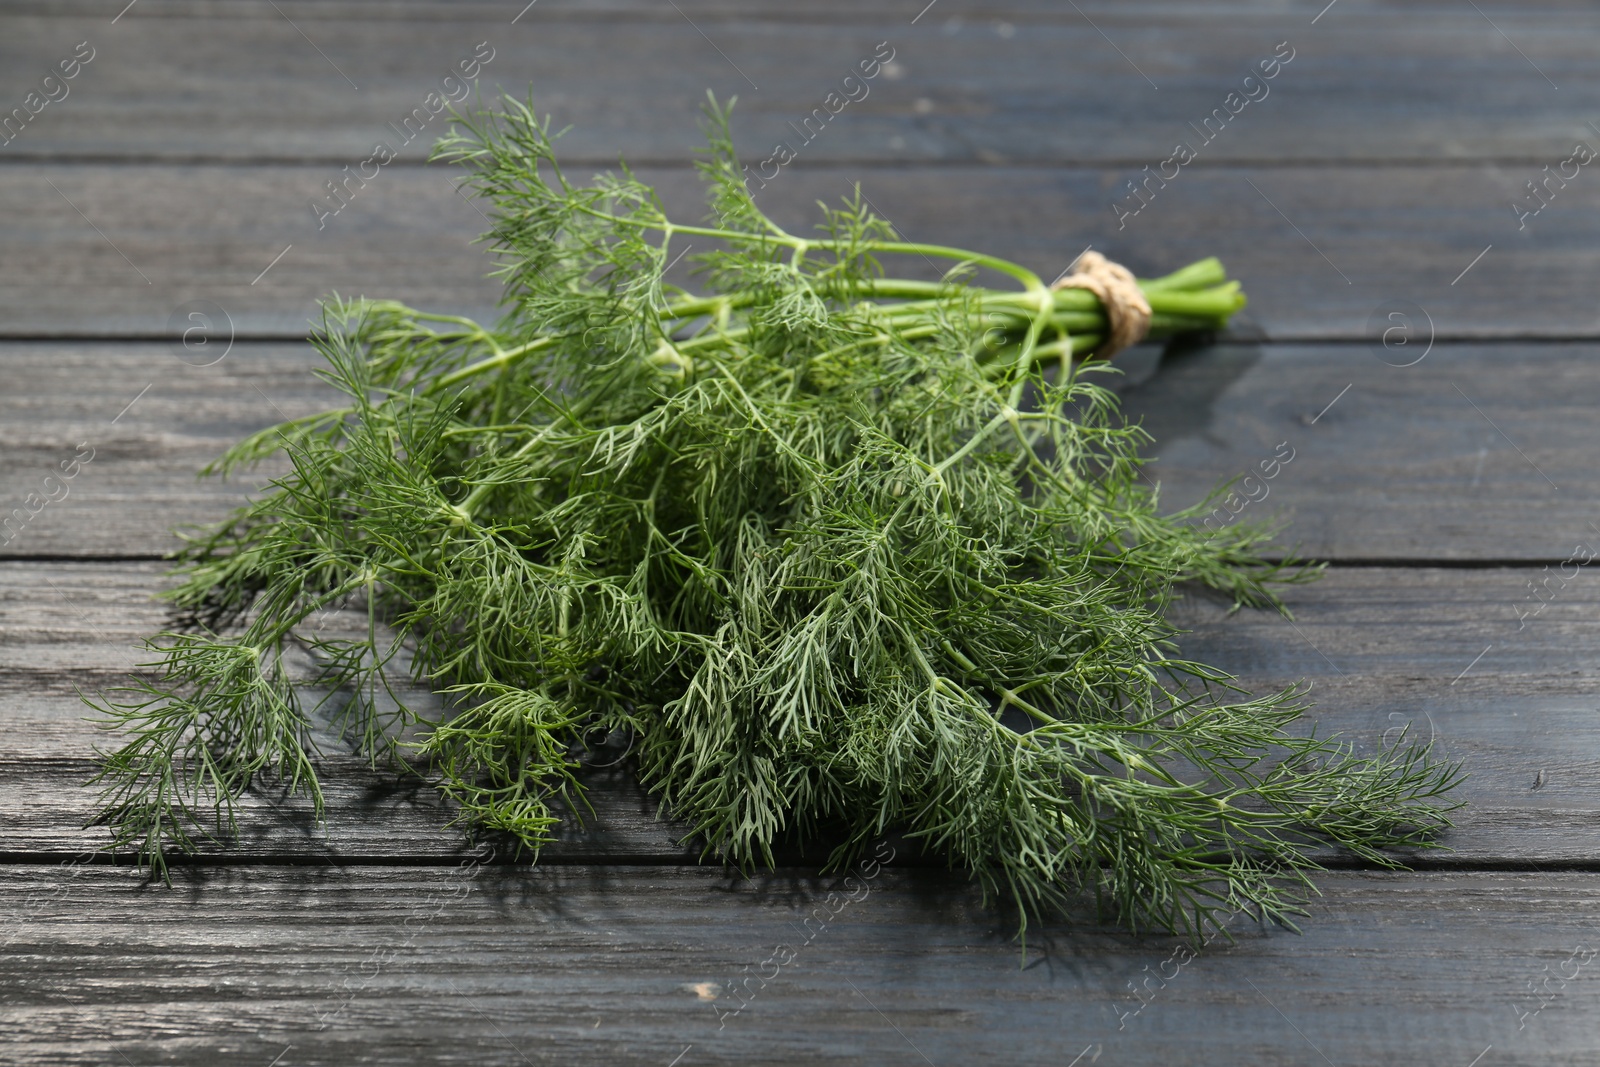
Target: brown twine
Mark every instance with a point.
(1127, 311)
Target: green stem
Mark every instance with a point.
(349, 585)
(910, 248)
(501, 359)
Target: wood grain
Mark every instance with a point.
(1477, 452)
(69, 630)
(149, 421)
(1382, 648)
(152, 238)
(1443, 654)
(1032, 82)
(621, 965)
(1402, 467)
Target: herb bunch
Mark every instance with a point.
(838, 553)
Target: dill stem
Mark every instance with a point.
(362, 577)
(800, 245)
(500, 359)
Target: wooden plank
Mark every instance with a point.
(74, 629)
(131, 251)
(373, 817)
(1382, 648)
(146, 418)
(973, 83)
(1115, 12)
(634, 966)
(1367, 236)
(1447, 459)
(1444, 653)
(1401, 467)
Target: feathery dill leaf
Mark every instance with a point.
(840, 553)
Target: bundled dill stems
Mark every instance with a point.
(837, 554)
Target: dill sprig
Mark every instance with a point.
(837, 553)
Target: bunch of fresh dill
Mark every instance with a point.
(839, 555)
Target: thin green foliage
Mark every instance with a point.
(840, 553)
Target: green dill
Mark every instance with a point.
(837, 553)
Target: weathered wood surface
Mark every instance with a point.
(1032, 82)
(146, 418)
(1476, 452)
(1382, 648)
(618, 965)
(1380, 169)
(151, 238)
(1402, 467)
(73, 629)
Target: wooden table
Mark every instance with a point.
(1447, 479)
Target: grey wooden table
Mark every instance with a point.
(1368, 190)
